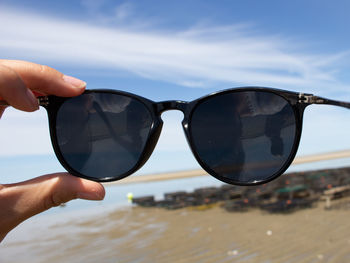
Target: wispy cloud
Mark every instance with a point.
(199, 56)
(117, 14)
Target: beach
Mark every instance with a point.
(205, 234)
(194, 220)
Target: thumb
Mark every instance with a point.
(20, 201)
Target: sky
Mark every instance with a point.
(181, 50)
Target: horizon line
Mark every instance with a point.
(164, 176)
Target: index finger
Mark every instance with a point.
(45, 80)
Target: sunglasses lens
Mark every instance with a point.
(102, 135)
(243, 136)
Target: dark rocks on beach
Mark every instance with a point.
(289, 205)
(288, 193)
(147, 201)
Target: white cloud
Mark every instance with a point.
(24, 133)
(192, 57)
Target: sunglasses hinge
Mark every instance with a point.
(310, 99)
(43, 100)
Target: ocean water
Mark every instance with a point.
(15, 169)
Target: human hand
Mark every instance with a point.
(18, 202)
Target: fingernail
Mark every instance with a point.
(32, 99)
(77, 83)
(90, 196)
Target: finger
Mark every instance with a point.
(45, 80)
(20, 201)
(14, 91)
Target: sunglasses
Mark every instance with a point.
(242, 136)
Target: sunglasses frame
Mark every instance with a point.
(297, 101)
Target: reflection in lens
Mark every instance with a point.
(244, 136)
(102, 135)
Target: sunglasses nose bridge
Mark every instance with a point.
(171, 105)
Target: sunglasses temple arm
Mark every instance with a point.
(311, 99)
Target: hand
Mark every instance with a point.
(18, 202)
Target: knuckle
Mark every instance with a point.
(47, 72)
(58, 194)
(55, 199)
(52, 200)
(43, 69)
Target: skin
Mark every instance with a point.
(20, 201)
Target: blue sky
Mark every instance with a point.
(183, 50)
(155, 44)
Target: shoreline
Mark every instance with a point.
(162, 176)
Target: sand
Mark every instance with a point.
(193, 235)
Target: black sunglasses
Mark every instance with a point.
(243, 136)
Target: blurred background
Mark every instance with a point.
(167, 50)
